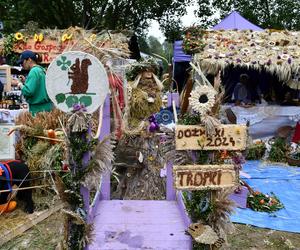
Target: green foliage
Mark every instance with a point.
(71, 100)
(141, 66)
(97, 14)
(194, 205)
(256, 151)
(189, 119)
(278, 150)
(60, 98)
(276, 14)
(203, 156)
(86, 100)
(264, 203)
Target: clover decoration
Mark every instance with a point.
(63, 63)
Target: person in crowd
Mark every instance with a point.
(243, 93)
(33, 87)
(288, 100)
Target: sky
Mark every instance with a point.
(187, 20)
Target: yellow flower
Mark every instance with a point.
(66, 37)
(36, 37)
(41, 37)
(19, 36)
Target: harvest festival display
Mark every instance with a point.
(207, 162)
(63, 147)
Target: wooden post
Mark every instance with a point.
(105, 130)
(171, 193)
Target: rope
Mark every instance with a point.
(23, 188)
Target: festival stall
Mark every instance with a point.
(273, 51)
(61, 148)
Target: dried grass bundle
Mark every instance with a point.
(219, 218)
(102, 158)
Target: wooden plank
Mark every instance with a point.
(32, 220)
(204, 177)
(226, 137)
(143, 224)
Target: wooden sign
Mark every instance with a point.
(74, 78)
(226, 137)
(48, 49)
(204, 177)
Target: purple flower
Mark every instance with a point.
(278, 57)
(76, 107)
(290, 60)
(269, 62)
(238, 159)
(238, 60)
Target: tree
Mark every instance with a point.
(275, 14)
(99, 14)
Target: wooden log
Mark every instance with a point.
(32, 220)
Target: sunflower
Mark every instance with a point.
(41, 37)
(202, 99)
(19, 36)
(36, 37)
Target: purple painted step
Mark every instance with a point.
(139, 224)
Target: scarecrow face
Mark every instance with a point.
(147, 75)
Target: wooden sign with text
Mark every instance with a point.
(48, 49)
(204, 177)
(226, 137)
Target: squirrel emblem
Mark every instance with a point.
(79, 75)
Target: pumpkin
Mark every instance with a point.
(51, 134)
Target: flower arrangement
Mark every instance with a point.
(136, 68)
(264, 202)
(193, 41)
(278, 150)
(256, 151)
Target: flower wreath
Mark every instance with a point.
(202, 99)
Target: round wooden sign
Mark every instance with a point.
(74, 78)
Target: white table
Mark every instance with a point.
(8, 116)
(265, 119)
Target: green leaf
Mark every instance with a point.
(64, 67)
(58, 63)
(71, 100)
(86, 100)
(60, 98)
(68, 63)
(63, 58)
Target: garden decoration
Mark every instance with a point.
(51, 43)
(145, 97)
(139, 157)
(264, 202)
(277, 51)
(80, 75)
(77, 84)
(207, 161)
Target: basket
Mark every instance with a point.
(292, 161)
